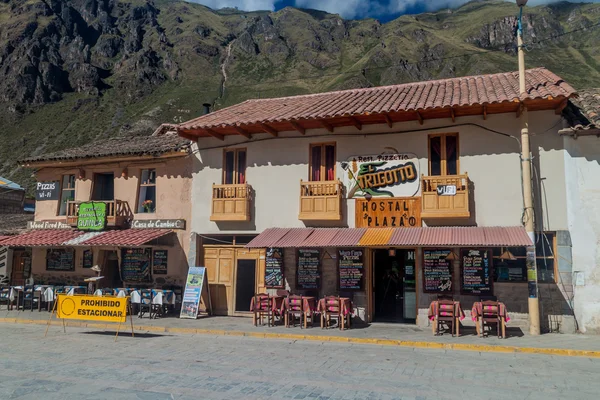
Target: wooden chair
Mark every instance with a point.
(445, 297)
(333, 308)
(5, 297)
(29, 297)
(294, 306)
(490, 314)
(147, 304)
(446, 313)
(263, 305)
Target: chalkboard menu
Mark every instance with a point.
(274, 268)
(437, 271)
(88, 259)
(351, 269)
(308, 271)
(135, 265)
(60, 260)
(476, 272)
(159, 262)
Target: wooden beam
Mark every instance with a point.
(327, 126)
(298, 127)
(186, 135)
(520, 109)
(242, 132)
(388, 120)
(214, 134)
(419, 117)
(268, 129)
(452, 114)
(356, 123)
(484, 111)
(561, 107)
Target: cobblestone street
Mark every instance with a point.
(89, 364)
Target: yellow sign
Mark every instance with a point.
(388, 212)
(110, 309)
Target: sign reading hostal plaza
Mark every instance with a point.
(92, 216)
(388, 213)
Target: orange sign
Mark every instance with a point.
(388, 212)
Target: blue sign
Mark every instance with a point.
(195, 285)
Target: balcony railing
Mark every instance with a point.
(231, 202)
(445, 196)
(320, 200)
(117, 212)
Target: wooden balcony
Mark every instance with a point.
(231, 202)
(445, 202)
(320, 201)
(118, 212)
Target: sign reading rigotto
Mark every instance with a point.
(92, 216)
(92, 307)
(390, 175)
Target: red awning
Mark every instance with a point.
(514, 236)
(126, 237)
(42, 237)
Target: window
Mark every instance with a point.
(104, 187)
(234, 171)
(322, 162)
(443, 154)
(67, 193)
(516, 270)
(147, 193)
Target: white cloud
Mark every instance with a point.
(246, 5)
(345, 8)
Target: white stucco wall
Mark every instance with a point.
(582, 170)
(275, 167)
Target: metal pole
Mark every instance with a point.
(533, 301)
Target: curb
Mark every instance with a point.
(334, 339)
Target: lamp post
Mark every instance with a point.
(533, 301)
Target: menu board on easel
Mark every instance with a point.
(308, 273)
(274, 268)
(476, 272)
(437, 271)
(135, 265)
(351, 269)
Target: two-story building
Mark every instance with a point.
(390, 195)
(122, 204)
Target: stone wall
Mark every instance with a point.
(11, 201)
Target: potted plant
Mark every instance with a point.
(148, 206)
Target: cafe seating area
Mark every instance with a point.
(286, 309)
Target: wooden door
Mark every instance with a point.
(21, 262)
(258, 257)
(219, 264)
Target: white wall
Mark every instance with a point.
(276, 166)
(582, 170)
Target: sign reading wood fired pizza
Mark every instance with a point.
(388, 213)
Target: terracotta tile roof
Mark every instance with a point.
(121, 146)
(294, 237)
(126, 237)
(4, 238)
(43, 237)
(583, 113)
(13, 224)
(347, 237)
(268, 238)
(445, 93)
(320, 237)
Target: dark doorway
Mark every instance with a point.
(104, 187)
(21, 267)
(110, 271)
(395, 294)
(244, 284)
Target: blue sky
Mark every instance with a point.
(383, 10)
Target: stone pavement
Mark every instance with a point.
(517, 337)
(89, 364)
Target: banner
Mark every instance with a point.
(91, 216)
(196, 284)
(47, 191)
(109, 309)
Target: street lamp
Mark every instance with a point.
(533, 301)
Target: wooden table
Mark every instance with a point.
(476, 313)
(308, 307)
(347, 309)
(433, 312)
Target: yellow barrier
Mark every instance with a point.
(109, 309)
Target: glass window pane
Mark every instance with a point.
(315, 166)
(147, 200)
(435, 155)
(544, 245)
(229, 166)
(510, 271)
(67, 193)
(451, 155)
(241, 167)
(545, 267)
(330, 162)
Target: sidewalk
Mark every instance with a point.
(518, 340)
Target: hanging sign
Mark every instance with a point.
(476, 272)
(91, 216)
(308, 271)
(159, 262)
(158, 223)
(47, 191)
(384, 175)
(388, 213)
(274, 268)
(196, 285)
(47, 225)
(437, 271)
(135, 265)
(446, 190)
(351, 267)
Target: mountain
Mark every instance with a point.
(73, 71)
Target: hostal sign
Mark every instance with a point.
(384, 175)
(388, 213)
